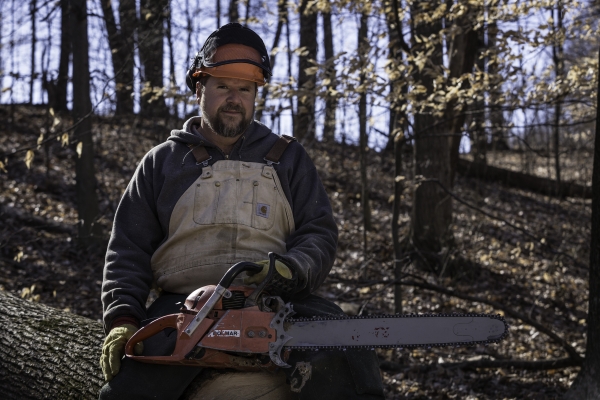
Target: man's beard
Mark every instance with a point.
(219, 124)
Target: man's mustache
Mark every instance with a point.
(233, 107)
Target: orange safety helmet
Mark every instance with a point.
(232, 51)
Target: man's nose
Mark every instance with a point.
(234, 97)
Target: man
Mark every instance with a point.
(212, 195)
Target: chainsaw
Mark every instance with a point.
(247, 329)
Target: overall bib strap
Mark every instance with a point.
(278, 148)
(200, 154)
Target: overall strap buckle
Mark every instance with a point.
(278, 148)
(200, 154)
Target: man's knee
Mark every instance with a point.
(352, 374)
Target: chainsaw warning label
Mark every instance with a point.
(224, 333)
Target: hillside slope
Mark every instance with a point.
(526, 254)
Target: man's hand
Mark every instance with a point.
(257, 278)
(114, 349)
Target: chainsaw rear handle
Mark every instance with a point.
(156, 326)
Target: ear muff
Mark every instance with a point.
(189, 79)
(230, 33)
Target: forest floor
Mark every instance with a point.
(516, 253)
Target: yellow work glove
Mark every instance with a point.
(114, 349)
(257, 278)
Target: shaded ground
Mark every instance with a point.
(531, 258)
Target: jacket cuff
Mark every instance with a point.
(125, 320)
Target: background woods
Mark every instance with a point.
(456, 141)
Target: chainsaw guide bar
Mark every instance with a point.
(469, 330)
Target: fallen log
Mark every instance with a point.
(521, 180)
(46, 353)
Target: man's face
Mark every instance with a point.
(227, 105)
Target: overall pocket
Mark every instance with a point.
(250, 198)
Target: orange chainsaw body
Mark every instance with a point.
(226, 338)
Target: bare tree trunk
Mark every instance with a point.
(234, 14)
(477, 126)
(65, 54)
(363, 50)
(87, 199)
(283, 15)
(396, 129)
(218, 14)
(247, 13)
(496, 114)
(465, 46)
(331, 81)
(120, 41)
(432, 208)
(587, 384)
(398, 84)
(289, 55)
(32, 11)
(190, 31)
(151, 35)
(304, 126)
(558, 59)
(172, 81)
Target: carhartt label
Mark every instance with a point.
(263, 210)
(224, 333)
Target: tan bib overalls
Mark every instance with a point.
(235, 211)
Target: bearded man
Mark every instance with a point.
(223, 189)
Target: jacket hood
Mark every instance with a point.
(190, 134)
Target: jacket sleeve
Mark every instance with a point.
(312, 247)
(135, 235)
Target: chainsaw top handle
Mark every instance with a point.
(236, 269)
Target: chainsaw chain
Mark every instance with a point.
(409, 346)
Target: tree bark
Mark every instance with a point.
(87, 199)
(558, 59)
(496, 113)
(120, 40)
(172, 79)
(304, 126)
(32, 10)
(363, 51)
(432, 208)
(398, 87)
(282, 12)
(46, 353)
(218, 14)
(466, 44)
(587, 384)
(150, 38)
(477, 126)
(396, 128)
(234, 13)
(65, 54)
(331, 78)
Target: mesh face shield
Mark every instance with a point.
(232, 51)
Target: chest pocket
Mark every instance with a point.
(235, 192)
